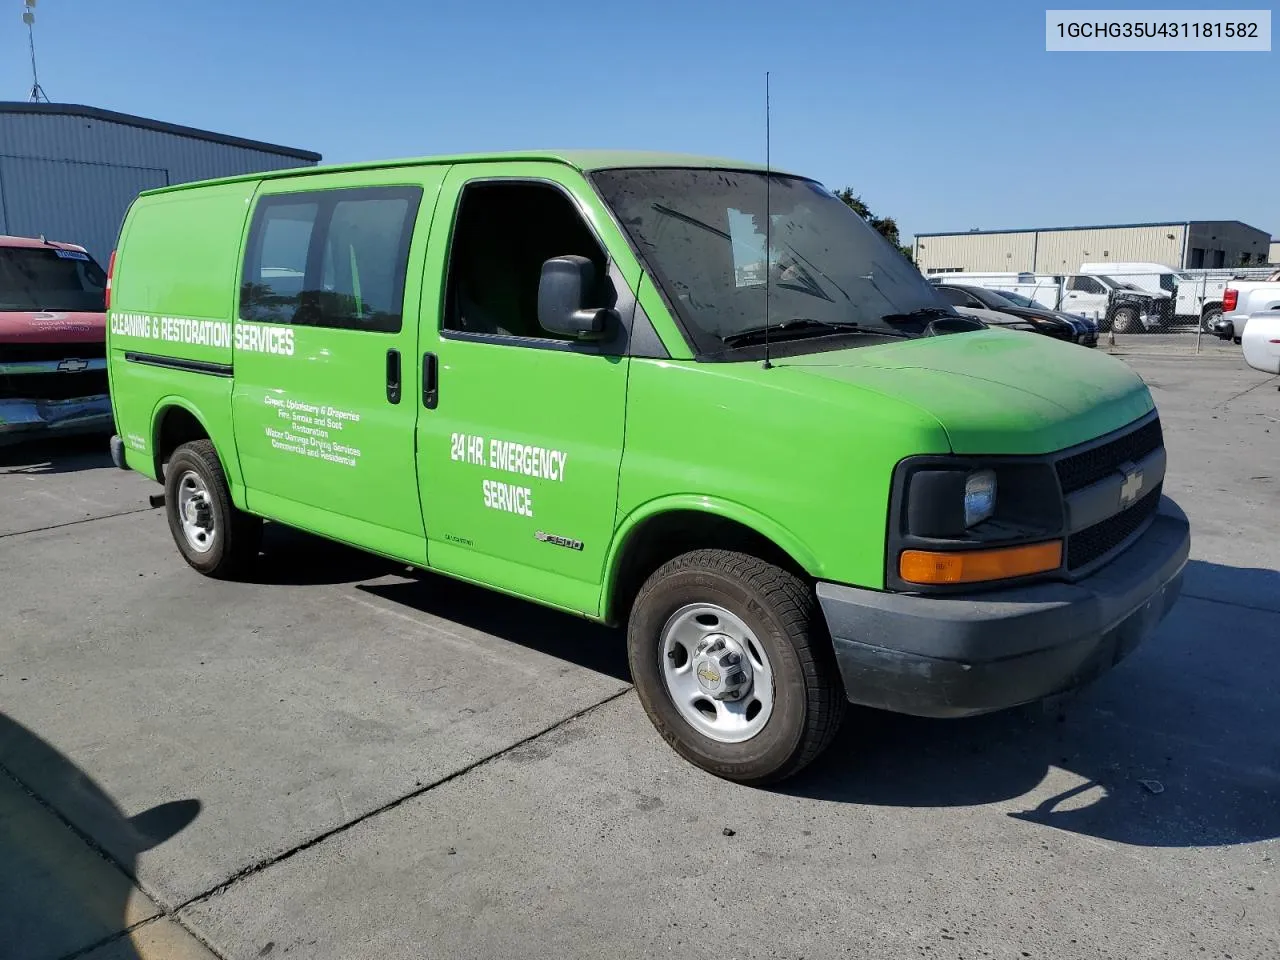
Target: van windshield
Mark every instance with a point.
(46, 278)
(833, 281)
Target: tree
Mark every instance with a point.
(887, 227)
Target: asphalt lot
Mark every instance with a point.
(347, 760)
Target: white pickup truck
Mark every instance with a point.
(1243, 298)
(1197, 293)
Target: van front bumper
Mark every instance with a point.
(23, 419)
(958, 655)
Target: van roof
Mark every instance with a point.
(581, 160)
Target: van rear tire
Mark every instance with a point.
(211, 534)
(710, 614)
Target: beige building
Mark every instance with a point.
(1275, 252)
(1187, 244)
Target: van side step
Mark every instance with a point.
(156, 499)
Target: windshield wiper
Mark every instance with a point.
(802, 327)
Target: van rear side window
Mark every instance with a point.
(332, 258)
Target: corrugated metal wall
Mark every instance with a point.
(72, 177)
(1062, 251)
(988, 252)
(1275, 251)
(1050, 251)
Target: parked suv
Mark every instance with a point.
(683, 395)
(53, 376)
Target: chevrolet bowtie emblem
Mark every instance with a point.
(1132, 486)
(73, 366)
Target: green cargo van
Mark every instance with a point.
(679, 394)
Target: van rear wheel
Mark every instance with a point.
(212, 535)
(732, 664)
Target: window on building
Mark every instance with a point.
(334, 258)
(1197, 258)
(504, 233)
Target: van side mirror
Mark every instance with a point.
(565, 291)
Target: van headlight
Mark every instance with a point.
(979, 497)
(975, 511)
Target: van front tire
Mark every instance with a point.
(212, 535)
(731, 661)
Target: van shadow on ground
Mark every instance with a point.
(58, 894)
(1178, 746)
(56, 455)
(295, 558)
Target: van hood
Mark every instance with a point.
(52, 326)
(994, 391)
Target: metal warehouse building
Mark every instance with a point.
(69, 172)
(1185, 244)
(1275, 252)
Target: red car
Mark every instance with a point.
(53, 367)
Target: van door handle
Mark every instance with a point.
(430, 380)
(393, 376)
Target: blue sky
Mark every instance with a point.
(945, 115)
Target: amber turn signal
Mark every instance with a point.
(975, 566)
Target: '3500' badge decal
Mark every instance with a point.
(559, 541)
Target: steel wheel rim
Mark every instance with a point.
(724, 720)
(195, 512)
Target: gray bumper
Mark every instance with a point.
(21, 419)
(964, 654)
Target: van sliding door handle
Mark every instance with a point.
(393, 376)
(430, 380)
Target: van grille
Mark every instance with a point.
(1079, 471)
(1086, 546)
(53, 386)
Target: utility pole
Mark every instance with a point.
(29, 18)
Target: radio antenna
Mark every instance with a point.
(768, 219)
(29, 18)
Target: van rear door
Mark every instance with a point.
(325, 341)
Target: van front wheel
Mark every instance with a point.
(732, 664)
(211, 534)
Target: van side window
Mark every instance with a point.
(503, 234)
(332, 258)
